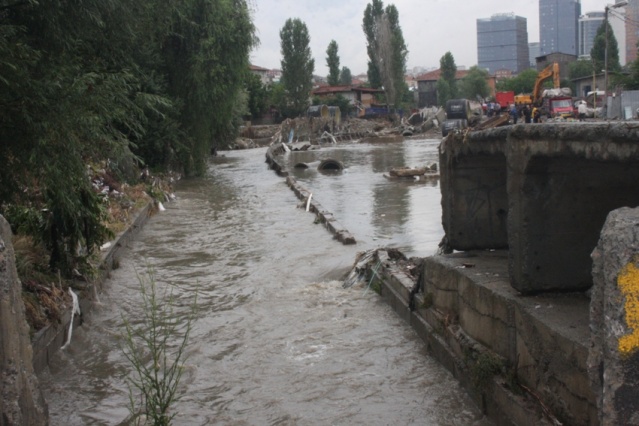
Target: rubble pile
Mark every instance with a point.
(423, 121)
(320, 130)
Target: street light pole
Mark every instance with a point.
(606, 54)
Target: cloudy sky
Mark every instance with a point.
(431, 28)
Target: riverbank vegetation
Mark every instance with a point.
(157, 361)
(99, 90)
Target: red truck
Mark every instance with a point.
(505, 99)
(559, 106)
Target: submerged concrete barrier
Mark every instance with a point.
(323, 216)
(327, 165)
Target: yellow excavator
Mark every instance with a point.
(551, 70)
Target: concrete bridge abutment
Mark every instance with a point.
(539, 214)
(543, 191)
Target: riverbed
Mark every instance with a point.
(276, 339)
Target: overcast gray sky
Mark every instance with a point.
(431, 28)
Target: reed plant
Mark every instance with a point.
(156, 349)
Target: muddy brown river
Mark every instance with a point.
(276, 339)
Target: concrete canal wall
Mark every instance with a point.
(51, 338)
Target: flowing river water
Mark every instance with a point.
(276, 339)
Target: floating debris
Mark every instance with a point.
(363, 261)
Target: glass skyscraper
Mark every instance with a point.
(502, 43)
(558, 31)
(588, 26)
(533, 52)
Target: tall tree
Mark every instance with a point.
(65, 100)
(631, 82)
(110, 82)
(387, 49)
(345, 77)
(332, 61)
(297, 66)
(443, 92)
(373, 11)
(207, 60)
(598, 52)
(581, 68)
(258, 95)
(448, 73)
(474, 83)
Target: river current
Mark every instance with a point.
(276, 339)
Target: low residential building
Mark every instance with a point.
(263, 73)
(587, 84)
(361, 77)
(411, 82)
(427, 87)
(503, 74)
(360, 97)
(275, 75)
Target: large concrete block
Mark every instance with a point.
(543, 191)
(554, 364)
(474, 198)
(613, 360)
(558, 206)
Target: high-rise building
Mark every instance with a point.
(502, 43)
(618, 22)
(632, 30)
(533, 52)
(588, 26)
(558, 26)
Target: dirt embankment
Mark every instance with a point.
(45, 294)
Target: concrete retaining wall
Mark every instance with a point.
(523, 360)
(21, 400)
(573, 357)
